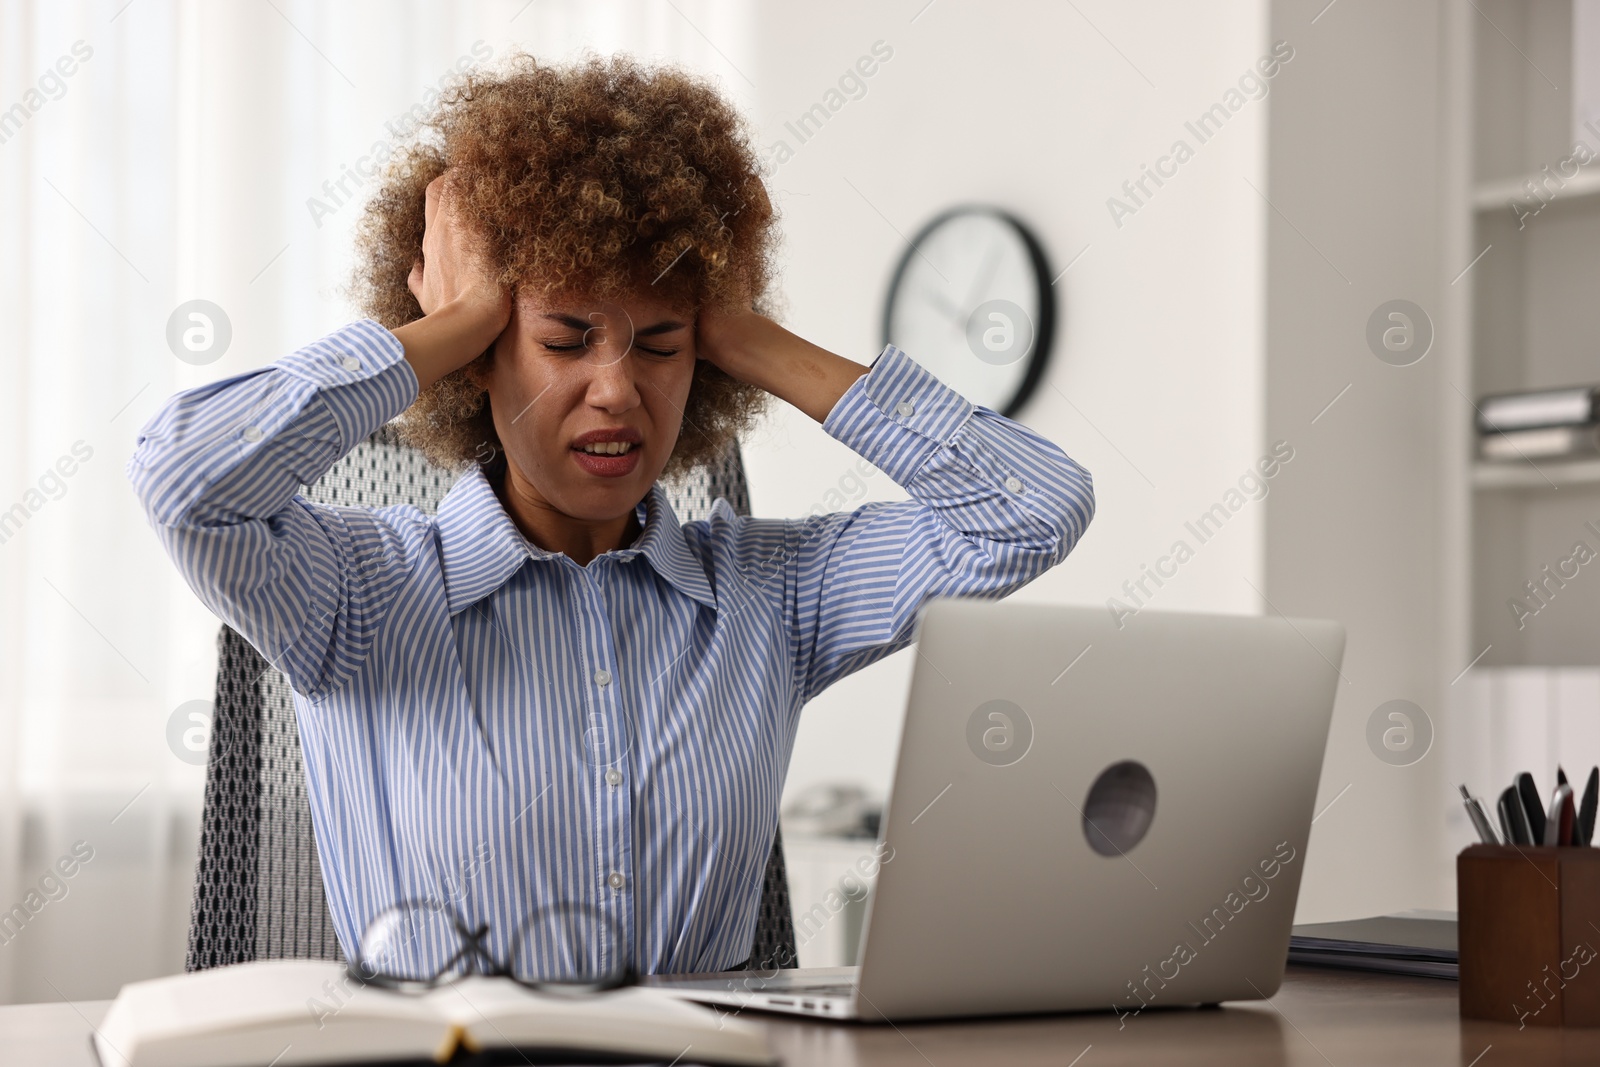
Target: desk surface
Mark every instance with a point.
(1318, 1017)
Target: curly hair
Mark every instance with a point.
(603, 179)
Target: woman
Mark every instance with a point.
(552, 683)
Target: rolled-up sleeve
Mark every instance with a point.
(993, 506)
(219, 468)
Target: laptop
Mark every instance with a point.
(1084, 815)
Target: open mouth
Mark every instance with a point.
(609, 458)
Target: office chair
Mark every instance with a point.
(258, 891)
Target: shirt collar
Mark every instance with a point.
(482, 548)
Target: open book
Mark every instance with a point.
(284, 1012)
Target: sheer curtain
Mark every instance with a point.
(151, 154)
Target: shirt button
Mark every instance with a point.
(613, 778)
(251, 433)
(602, 676)
(906, 408)
(616, 880)
(350, 363)
(1014, 484)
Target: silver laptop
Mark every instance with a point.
(1083, 817)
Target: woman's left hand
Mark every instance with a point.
(730, 340)
(752, 348)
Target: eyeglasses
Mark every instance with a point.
(418, 945)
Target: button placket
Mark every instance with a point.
(613, 804)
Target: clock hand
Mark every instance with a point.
(943, 303)
(985, 276)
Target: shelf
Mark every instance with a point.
(1559, 475)
(1525, 322)
(1493, 196)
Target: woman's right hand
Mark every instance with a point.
(453, 265)
(464, 307)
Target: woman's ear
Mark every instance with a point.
(481, 370)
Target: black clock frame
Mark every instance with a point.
(1044, 329)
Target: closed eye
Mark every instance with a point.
(576, 347)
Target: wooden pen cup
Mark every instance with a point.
(1528, 932)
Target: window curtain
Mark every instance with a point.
(153, 154)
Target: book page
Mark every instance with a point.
(498, 1013)
(298, 1011)
(289, 1012)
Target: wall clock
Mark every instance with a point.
(972, 301)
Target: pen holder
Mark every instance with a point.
(1528, 933)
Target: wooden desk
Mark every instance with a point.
(1318, 1018)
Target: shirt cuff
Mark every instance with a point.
(362, 375)
(897, 415)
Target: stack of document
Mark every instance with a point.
(1547, 424)
(1419, 943)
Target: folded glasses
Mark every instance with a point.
(419, 945)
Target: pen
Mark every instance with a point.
(1566, 812)
(1528, 793)
(1559, 817)
(1514, 818)
(1583, 833)
(1480, 820)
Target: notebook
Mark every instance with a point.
(285, 1012)
(1415, 942)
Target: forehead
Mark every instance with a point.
(579, 310)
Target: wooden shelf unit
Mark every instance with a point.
(1533, 320)
(1536, 477)
(1499, 195)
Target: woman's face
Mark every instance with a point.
(587, 398)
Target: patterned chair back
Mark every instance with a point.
(258, 890)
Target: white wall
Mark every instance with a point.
(1160, 358)
(1360, 168)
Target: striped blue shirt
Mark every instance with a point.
(493, 725)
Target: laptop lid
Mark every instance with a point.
(1088, 816)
